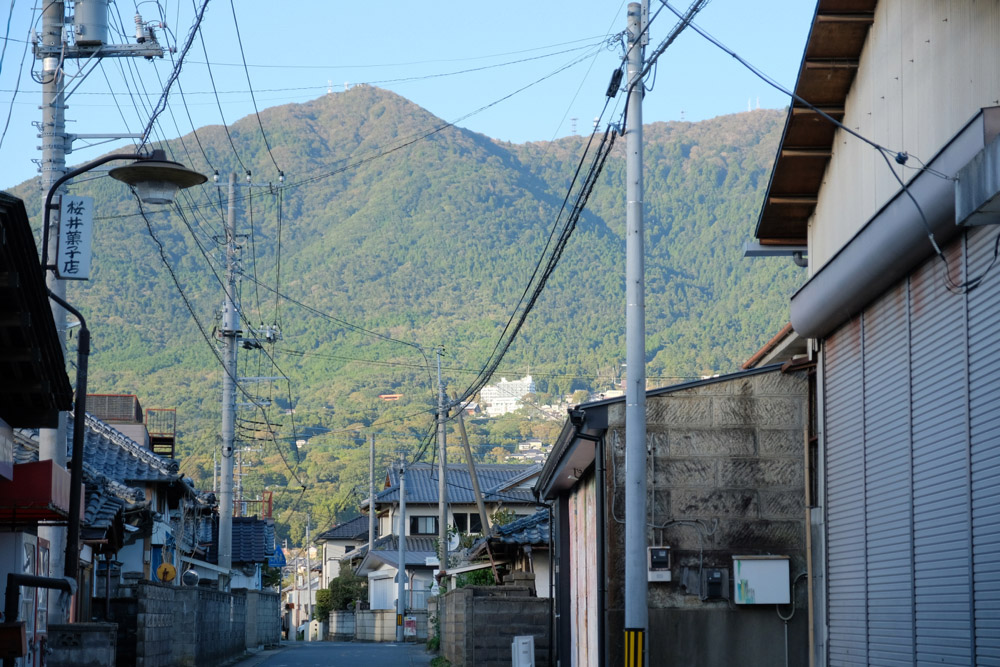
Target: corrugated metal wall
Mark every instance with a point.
(912, 447)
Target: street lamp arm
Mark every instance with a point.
(58, 184)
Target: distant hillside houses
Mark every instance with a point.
(505, 396)
(530, 451)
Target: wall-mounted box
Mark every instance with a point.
(658, 560)
(761, 580)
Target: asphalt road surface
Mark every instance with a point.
(349, 654)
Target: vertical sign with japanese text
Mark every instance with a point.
(76, 228)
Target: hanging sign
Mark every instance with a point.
(76, 230)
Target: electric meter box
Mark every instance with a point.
(761, 580)
(658, 559)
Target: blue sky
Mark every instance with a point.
(297, 50)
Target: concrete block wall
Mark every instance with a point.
(375, 625)
(725, 472)
(482, 621)
(221, 626)
(342, 626)
(263, 612)
(82, 645)
(154, 625)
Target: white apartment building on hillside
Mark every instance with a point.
(505, 396)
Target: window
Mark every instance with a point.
(468, 523)
(423, 525)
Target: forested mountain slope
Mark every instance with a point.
(396, 227)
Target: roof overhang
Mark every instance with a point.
(829, 65)
(895, 240)
(35, 386)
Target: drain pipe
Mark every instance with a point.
(12, 596)
(601, 565)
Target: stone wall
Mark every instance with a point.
(341, 626)
(263, 614)
(480, 623)
(375, 625)
(82, 645)
(726, 477)
(161, 625)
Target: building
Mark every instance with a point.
(899, 308)
(502, 485)
(505, 396)
(726, 505)
(34, 387)
(339, 541)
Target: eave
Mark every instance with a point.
(829, 65)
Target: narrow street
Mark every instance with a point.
(321, 654)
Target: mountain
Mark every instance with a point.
(397, 230)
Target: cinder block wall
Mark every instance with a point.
(725, 473)
(482, 621)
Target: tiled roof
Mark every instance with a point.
(119, 457)
(355, 529)
(494, 481)
(253, 541)
(532, 529)
(386, 550)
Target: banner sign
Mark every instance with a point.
(76, 230)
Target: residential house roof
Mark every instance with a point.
(355, 529)
(496, 481)
(532, 530)
(119, 457)
(829, 64)
(253, 541)
(385, 550)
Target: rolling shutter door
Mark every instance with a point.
(887, 481)
(984, 414)
(939, 429)
(845, 496)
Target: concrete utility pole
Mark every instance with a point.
(54, 49)
(636, 611)
(230, 330)
(309, 586)
(442, 474)
(371, 492)
(52, 441)
(401, 556)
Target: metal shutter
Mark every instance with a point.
(939, 428)
(887, 481)
(984, 414)
(845, 496)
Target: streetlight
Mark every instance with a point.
(156, 180)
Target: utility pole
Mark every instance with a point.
(309, 586)
(52, 441)
(442, 475)
(401, 556)
(230, 330)
(636, 610)
(371, 492)
(54, 49)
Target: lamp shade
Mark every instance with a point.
(156, 180)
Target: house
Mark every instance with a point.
(899, 308)
(502, 485)
(34, 387)
(338, 541)
(524, 544)
(726, 530)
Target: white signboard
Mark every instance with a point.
(76, 229)
(761, 580)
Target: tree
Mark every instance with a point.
(345, 589)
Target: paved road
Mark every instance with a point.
(349, 654)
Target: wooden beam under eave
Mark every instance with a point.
(863, 18)
(807, 111)
(831, 63)
(798, 151)
(793, 200)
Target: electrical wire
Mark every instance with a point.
(239, 41)
(17, 84)
(162, 102)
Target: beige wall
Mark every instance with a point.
(927, 67)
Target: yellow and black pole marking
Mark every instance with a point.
(399, 619)
(635, 642)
